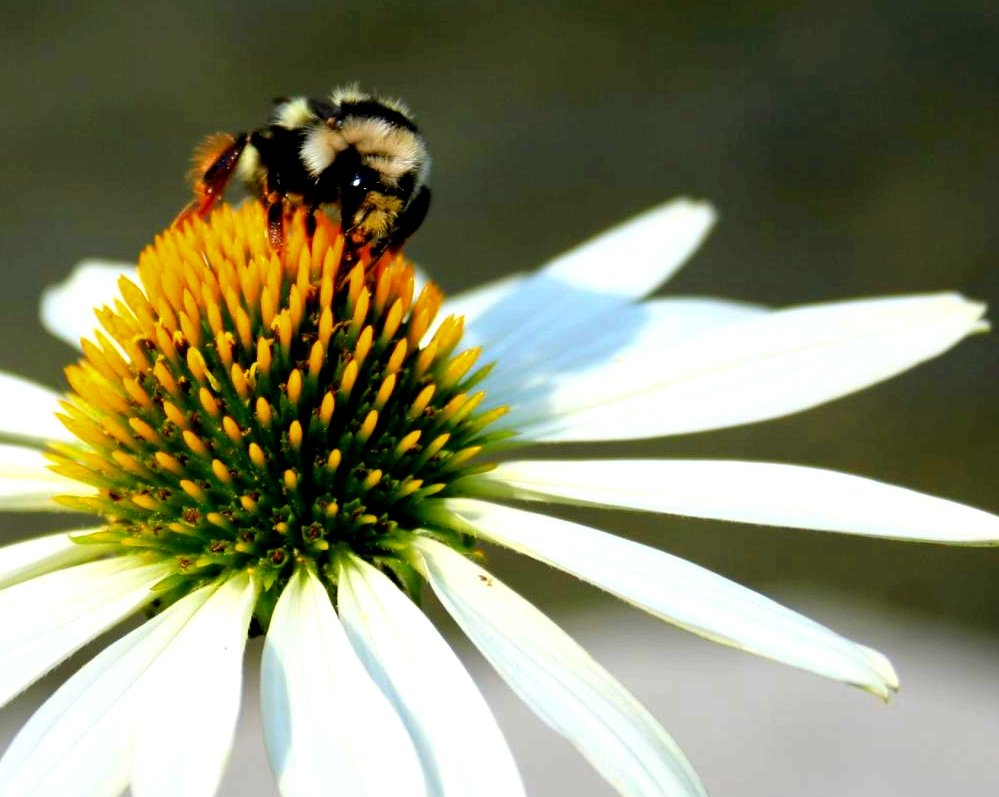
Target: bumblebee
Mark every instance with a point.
(353, 150)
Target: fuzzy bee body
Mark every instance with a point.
(363, 154)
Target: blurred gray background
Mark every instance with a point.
(851, 150)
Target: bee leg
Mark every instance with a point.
(405, 225)
(216, 160)
(310, 222)
(275, 221)
(410, 219)
(377, 250)
(189, 212)
(354, 241)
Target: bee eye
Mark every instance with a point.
(362, 179)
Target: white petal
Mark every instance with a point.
(189, 716)
(329, 729)
(27, 483)
(621, 265)
(631, 330)
(47, 618)
(561, 683)
(472, 303)
(766, 367)
(680, 592)
(21, 561)
(28, 411)
(79, 742)
(751, 492)
(68, 306)
(462, 749)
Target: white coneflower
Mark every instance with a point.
(274, 444)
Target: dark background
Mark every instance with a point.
(851, 151)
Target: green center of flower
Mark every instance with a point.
(248, 410)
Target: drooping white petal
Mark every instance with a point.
(27, 483)
(681, 592)
(474, 302)
(750, 492)
(28, 411)
(68, 307)
(632, 330)
(329, 729)
(765, 367)
(80, 741)
(189, 714)
(21, 561)
(621, 265)
(561, 683)
(469, 303)
(459, 743)
(47, 618)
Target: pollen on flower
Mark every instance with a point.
(244, 409)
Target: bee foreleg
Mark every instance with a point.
(215, 159)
